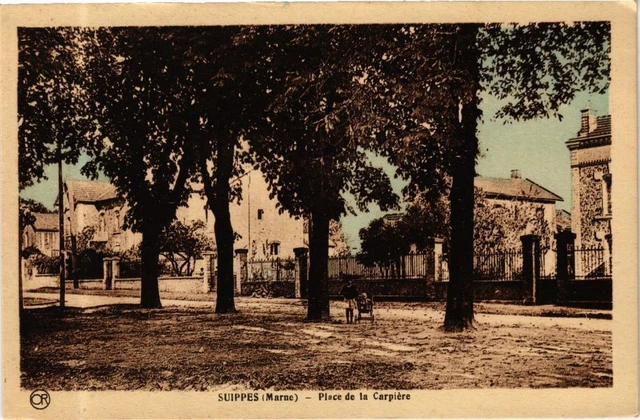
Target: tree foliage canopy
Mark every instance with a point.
(182, 244)
(309, 76)
(52, 100)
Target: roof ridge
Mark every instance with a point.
(547, 190)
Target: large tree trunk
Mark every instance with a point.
(150, 292)
(225, 302)
(459, 311)
(318, 303)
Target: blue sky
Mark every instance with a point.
(534, 147)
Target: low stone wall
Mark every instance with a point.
(286, 289)
(38, 281)
(592, 291)
(165, 284)
(498, 290)
(547, 291)
(90, 284)
(398, 288)
(488, 290)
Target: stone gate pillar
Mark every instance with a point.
(107, 273)
(434, 268)
(115, 271)
(565, 264)
(301, 272)
(530, 268)
(208, 280)
(243, 269)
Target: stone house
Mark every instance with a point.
(43, 234)
(521, 194)
(96, 205)
(260, 227)
(591, 182)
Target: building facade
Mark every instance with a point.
(95, 207)
(94, 216)
(533, 201)
(43, 234)
(260, 228)
(591, 181)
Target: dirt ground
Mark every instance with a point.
(267, 346)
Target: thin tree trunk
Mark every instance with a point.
(318, 304)
(219, 204)
(20, 299)
(150, 291)
(459, 311)
(61, 227)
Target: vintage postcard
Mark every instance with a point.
(319, 210)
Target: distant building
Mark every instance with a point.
(392, 218)
(261, 228)
(563, 220)
(43, 234)
(518, 192)
(96, 206)
(591, 181)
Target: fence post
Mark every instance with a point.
(434, 268)
(107, 273)
(301, 272)
(115, 271)
(241, 257)
(208, 283)
(530, 267)
(565, 269)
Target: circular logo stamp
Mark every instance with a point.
(40, 399)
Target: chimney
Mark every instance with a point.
(515, 174)
(587, 123)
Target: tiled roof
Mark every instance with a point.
(563, 219)
(92, 191)
(46, 221)
(514, 188)
(603, 126)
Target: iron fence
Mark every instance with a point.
(592, 263)
(410, 266)
(500, 266)
(271, 270)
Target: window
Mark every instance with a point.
(606, 195)
(274, 247)
(260, 213)
(116, 228)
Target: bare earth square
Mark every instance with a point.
(267, 346)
